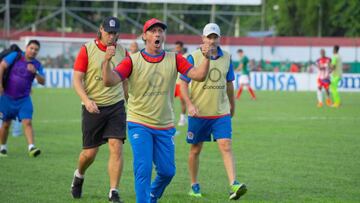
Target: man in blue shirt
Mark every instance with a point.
(15, 100)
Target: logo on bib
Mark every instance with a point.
(214, 75)
(156, 80)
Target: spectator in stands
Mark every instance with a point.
(294, 68)
(134, 47)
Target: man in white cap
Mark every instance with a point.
(210, 110)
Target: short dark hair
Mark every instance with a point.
(240, 51)
(336, 48)
(33, 41)
(179, 43)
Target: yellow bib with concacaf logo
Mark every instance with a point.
(210, 96)
(93, 81)
(151, 91)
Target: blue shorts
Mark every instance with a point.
(200, 129)
(15, 108)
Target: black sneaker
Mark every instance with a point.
(3, 153)
(76, 187)
(115, 197)
(34, 152)
(237, 190)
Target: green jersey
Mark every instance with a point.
(337, 63)
(245, 69)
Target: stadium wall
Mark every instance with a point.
(265, 54)
(267, 81)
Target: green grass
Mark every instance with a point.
(286, 150)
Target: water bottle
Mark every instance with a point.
(16, 131)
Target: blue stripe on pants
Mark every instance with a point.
(148, 146)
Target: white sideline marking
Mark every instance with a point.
(294, 118)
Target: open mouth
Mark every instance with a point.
(157, 42)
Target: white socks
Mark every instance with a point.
(3, 146)
(31, 146)
(319, 96)
(112, 189)
(182, 120)
(77, 174)
(182, 117)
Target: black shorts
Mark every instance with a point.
(109, 123)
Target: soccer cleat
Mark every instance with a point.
(3, 153)
(336, 105)
(320, 104)
(76, 187)
(195, 190)
(237, 190)
(328, 102)
(115, 197)
(34, 152)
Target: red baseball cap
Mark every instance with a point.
(153, 21)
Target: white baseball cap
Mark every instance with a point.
(211, 28)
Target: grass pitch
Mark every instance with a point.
(286, 150)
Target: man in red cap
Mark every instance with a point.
(151, 75)
(103, 111)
